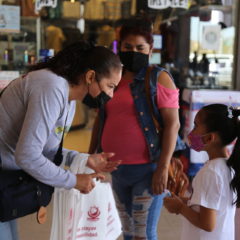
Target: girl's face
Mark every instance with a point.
(199, 127)
(198, 137)
(135, 43)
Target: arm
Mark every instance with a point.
(171, 123)
(207, 192)
(169, 136)
(44, 107)
(204, 219)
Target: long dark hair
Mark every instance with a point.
(79, 57)
(137, 26)
(224, 120)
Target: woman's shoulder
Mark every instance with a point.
(45, 75)
(44, 82)
(166, 80)
(47, 79)
(163, 77)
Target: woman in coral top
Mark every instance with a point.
(125, 127)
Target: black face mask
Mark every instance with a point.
(96, 102)
(134, 61)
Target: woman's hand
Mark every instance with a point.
(100, 163)
(159, 180)
(173, 204)
(85, 182)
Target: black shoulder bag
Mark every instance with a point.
(21, 194)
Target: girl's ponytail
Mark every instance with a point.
(234, 160)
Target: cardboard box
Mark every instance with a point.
(71, 10)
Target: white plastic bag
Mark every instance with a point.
(79, 216)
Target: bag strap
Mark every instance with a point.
(59, 156)
(2, 91)
(149, 100)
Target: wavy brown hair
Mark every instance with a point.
(137, 26)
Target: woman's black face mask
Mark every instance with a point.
(134, 61)
(96, 102)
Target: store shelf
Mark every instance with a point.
(225, 9)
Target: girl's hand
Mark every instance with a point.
(100, 163)
(173, 204)
(85, 182)
(159, 180)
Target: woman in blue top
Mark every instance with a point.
(126, 127)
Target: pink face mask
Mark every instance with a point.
(195, 141)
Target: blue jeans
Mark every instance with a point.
(138, 208)
(8, 230)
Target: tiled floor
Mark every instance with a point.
(169, 225)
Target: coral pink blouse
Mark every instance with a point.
(122, 133)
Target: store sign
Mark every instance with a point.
(39, 4)
(161, 4)
(9, 19)
(211, 37)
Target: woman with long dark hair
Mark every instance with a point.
(142, 177)
(37, 108)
